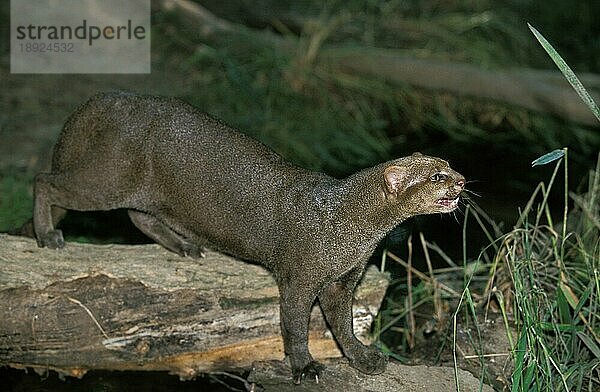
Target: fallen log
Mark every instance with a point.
(539, 91)
(140, 307)
(126, 307)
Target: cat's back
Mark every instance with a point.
(164, 130)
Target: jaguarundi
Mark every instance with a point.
(190, 182)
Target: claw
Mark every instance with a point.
(313, 369)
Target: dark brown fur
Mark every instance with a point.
(191, 182)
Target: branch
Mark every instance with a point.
(540, 91)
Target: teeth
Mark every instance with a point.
(449, 203)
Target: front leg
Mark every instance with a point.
(336, 302)
(295, 304)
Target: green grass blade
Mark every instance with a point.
(563, 307)
(583, 299)
(530, 375)
(589, 343)
(517, 381)
(567, 71)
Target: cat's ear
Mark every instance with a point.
(396, 178)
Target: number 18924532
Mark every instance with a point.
(43, 47)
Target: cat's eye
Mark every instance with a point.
(439, 177)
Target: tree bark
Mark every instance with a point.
(541, 91)
(126, 307)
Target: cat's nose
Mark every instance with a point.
(460, 184)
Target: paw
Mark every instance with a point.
(52, 239)
(312, 371)
(192, 250)
(369, 360)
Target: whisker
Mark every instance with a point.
(455, 217)
(471, 192)
(465, 200)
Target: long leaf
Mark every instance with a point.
(549, 157)
(567, 71)
(589, 343)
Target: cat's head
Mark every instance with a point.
(421, 184)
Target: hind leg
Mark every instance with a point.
(26, 230)
(46, 213)
(55, 193)
(161, 233)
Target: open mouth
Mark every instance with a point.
(449, 204)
